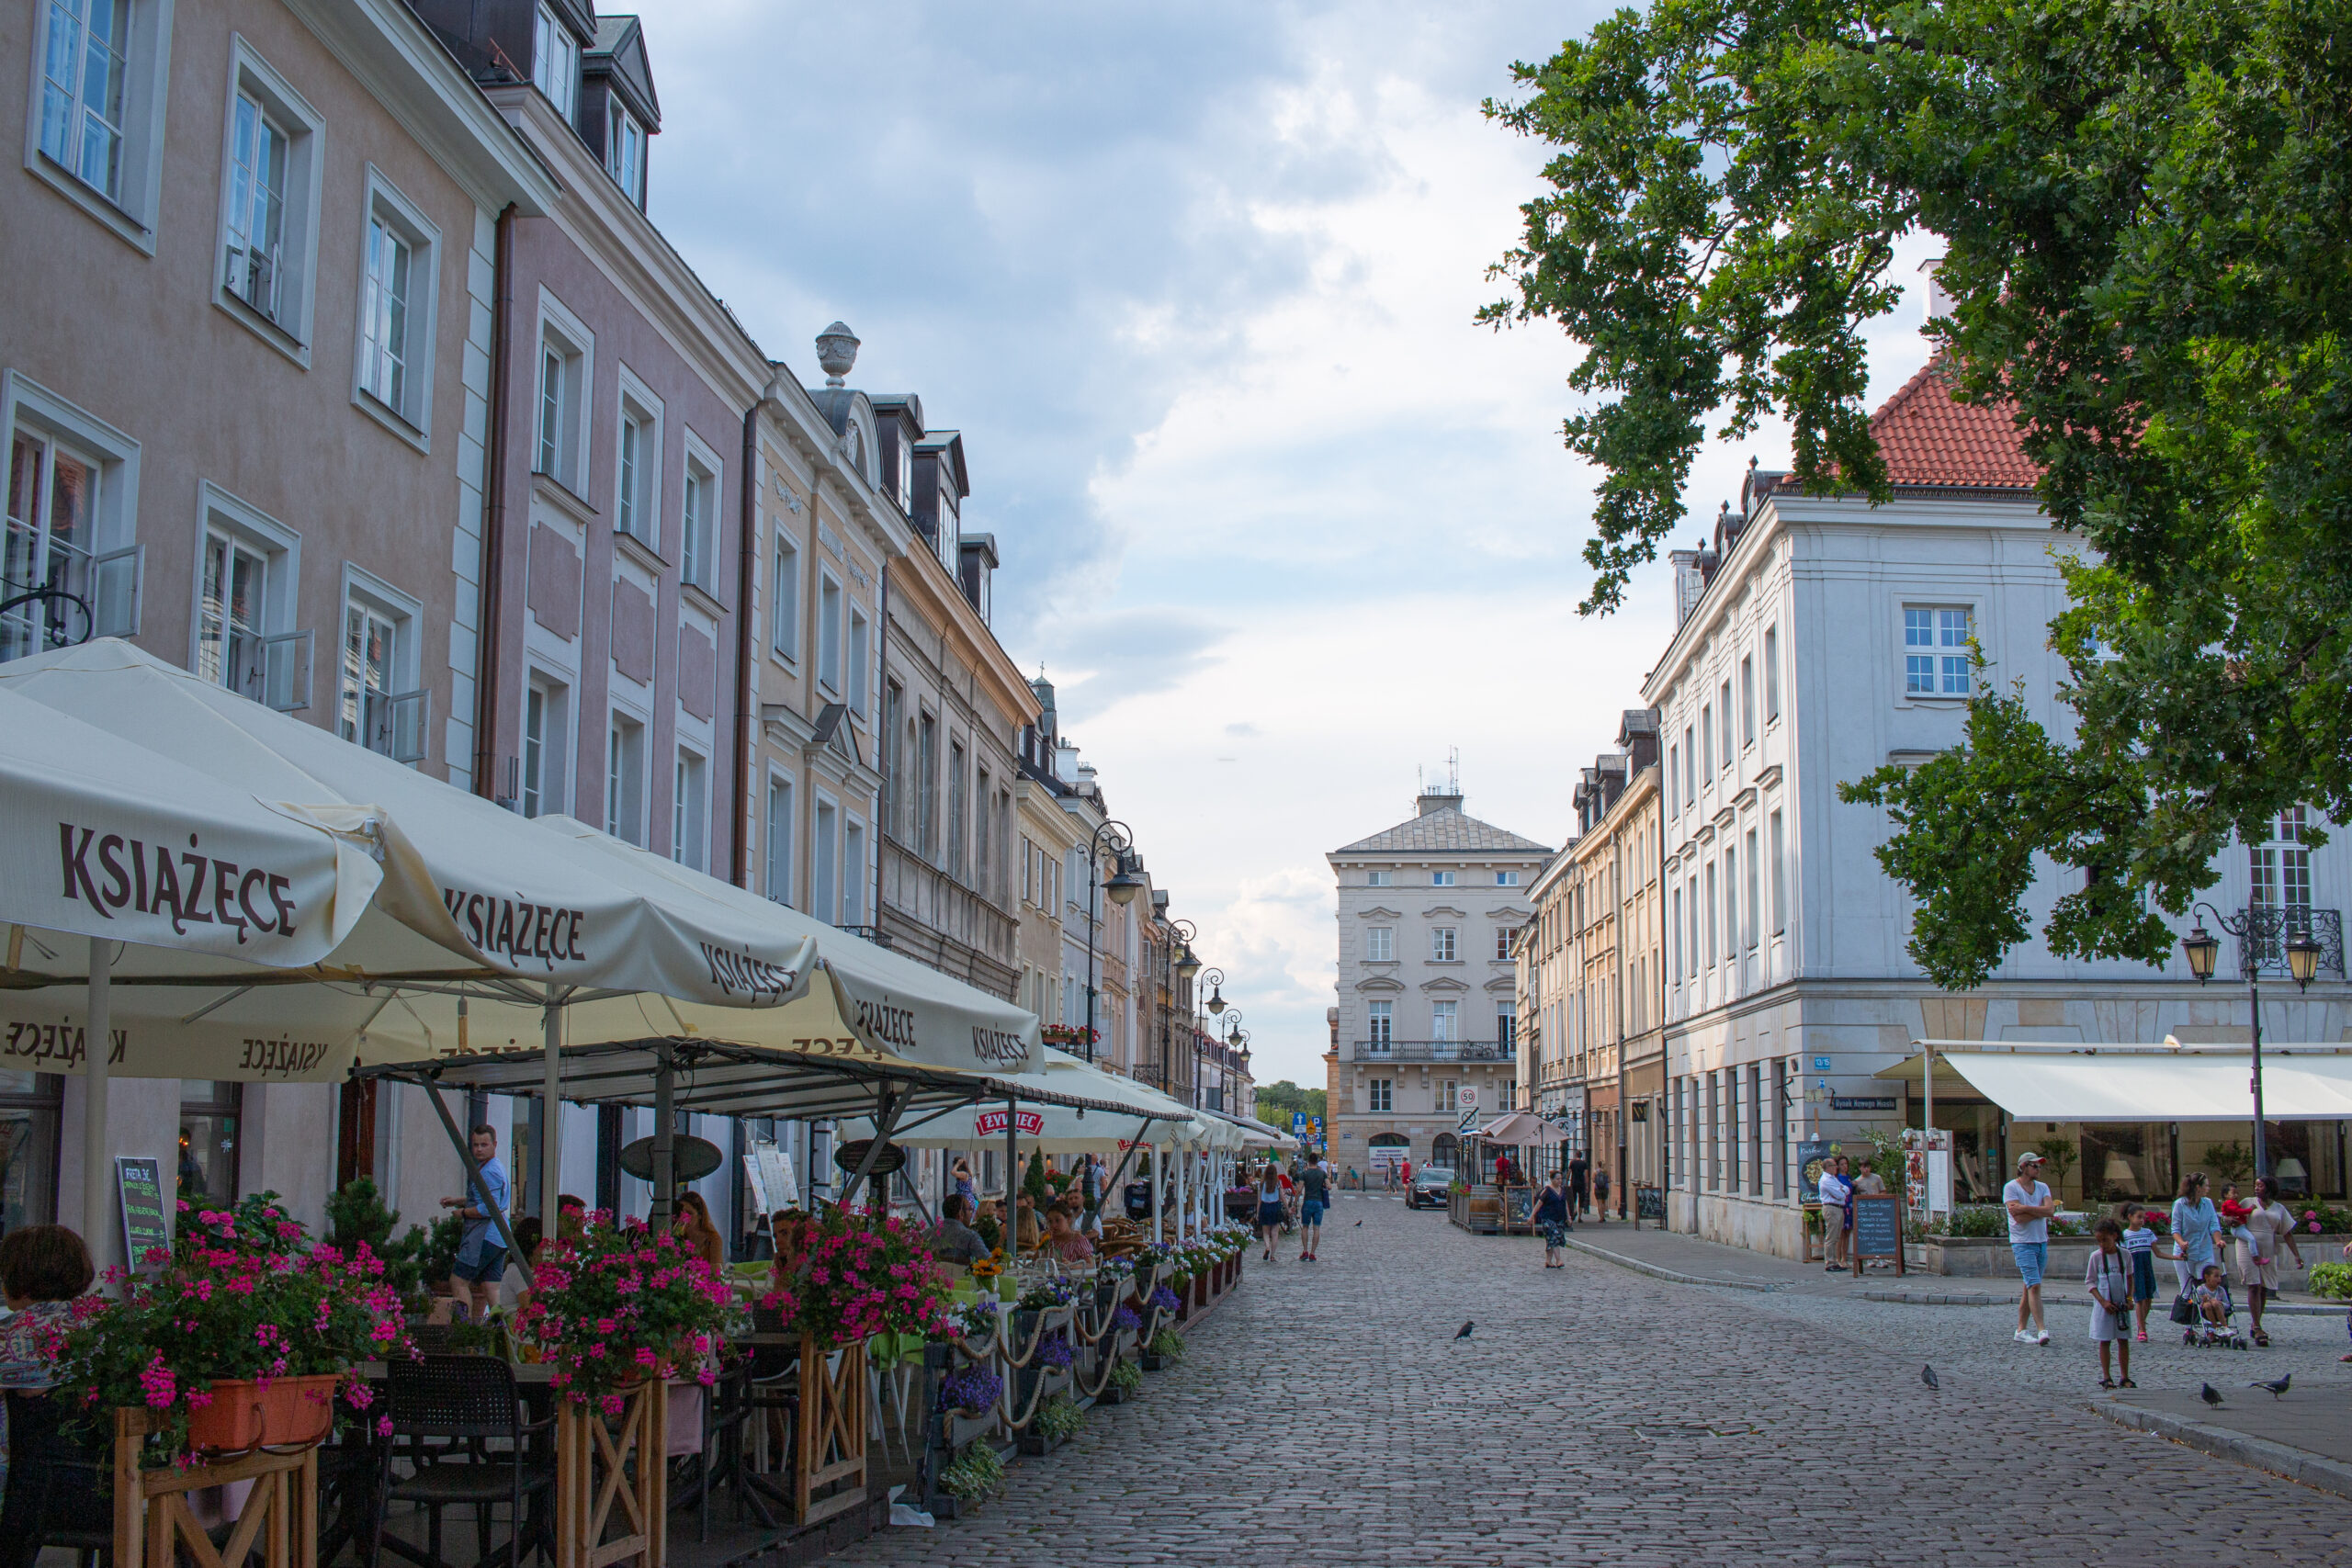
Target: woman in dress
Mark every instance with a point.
(1270, 1207)
(2270, 1224)
(1552, 1219)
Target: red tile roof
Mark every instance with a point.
(1928, 439)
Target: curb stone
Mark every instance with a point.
(1956, 1299)
(2295, 1464)
(1669, 1275)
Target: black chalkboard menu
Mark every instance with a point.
(1878, 1229)
(1519, 1208)
(145, 1227)
(1649, 1203)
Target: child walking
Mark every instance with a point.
(2140, 1247)
(2107, 1279)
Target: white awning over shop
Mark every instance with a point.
(2149, 1084)
(1522, 1129)
(1118, 1112)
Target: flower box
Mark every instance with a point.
(1153, 1362)
(246, 1413)
(1035, 1446)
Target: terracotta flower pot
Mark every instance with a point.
(244, 1414)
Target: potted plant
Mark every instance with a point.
(971, 1391)
(617, 1305)
(1166, 1348)
(1058, 1420)
(969, 1479)
(1124, 1384)
(241, 1340)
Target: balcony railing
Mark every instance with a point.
(2269, 927)
(1433, 1051)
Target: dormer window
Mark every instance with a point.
(555, 62)
(625, 150)
(906, 491)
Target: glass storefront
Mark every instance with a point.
(2127, 1159)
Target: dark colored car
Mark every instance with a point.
(1429, 1187)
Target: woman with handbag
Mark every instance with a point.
(1552, 1219)
(2195, 1229)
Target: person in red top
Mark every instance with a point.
(1407, 1175)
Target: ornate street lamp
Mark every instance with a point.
(2202, 948)
(1123, 887)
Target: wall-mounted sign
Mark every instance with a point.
(1861, 1103)
(1821, 1064)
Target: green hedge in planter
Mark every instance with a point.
(2333, 1281)
(977, 1472)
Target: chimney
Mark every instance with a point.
(1938, 299)
(1433, 799)
(1065, 760)
(1687, 584)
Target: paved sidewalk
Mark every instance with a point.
(2304, 1434)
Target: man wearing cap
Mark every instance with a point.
(2031, 1205)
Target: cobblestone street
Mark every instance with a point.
(1326, 1415)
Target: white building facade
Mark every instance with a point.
(1820, 640)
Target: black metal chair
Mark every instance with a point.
(57, 1487)
(447, 1411)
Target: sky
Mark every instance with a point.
(1285, 526)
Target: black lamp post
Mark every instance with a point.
(2302, 962)
(1238, 1041)
(1182, 965)
(1123, 887)
(1215, 1007)
(1235, 1035)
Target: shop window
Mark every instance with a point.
(210, 1113)
(28, 1107)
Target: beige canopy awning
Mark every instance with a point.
(1522, 1129)
(2300, 1082)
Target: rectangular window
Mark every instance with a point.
(546, 732)
(624, 781)
(927, 786)
(983, 798)
(260, 149)
(1747, 701)
(777, 830)
(1707, 741)
(686, 810)
(1731, 905)
(1711, 914)
(1693, 908)
(1771, 673)
(1507, 1025)
(1441, 879)
(2279, 872)
(244, 601)
(824, 852)
(379, 708)
(555, 61)
(1441, 944)
(1379, 878)
(1380, 1094)
(829, 633)
(1936, 656)
(852, 874)
(1690, 769)
(783, 611)
(60, 497)
(384, 316)
(84, 90)
(1449, 1094)
(641, 466)
(209, 1145)
(1502, 942)
(1723, 711)
(1779, 879)
(1506, 879)
(697, 519)
(1673, 772)
(1380, 944)
(1442, 1020)
(625, 150)
(860, 656)
(1380, 1024)
(1755, 908)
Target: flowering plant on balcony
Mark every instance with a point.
(244, 1296)
(866, 1274)
(617, 1305)
(1068, 1035)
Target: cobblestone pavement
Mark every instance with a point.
(1327, 1415)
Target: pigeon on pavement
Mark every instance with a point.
(1927, 1376)
(1462, 1332)
(2206, 1393)
(1359, 1225)
(2276, 1388)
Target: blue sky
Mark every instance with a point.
(1196, 283)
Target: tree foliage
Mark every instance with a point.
(2147, 213)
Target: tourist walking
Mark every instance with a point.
(2196, 1232)
(2270, 1223)
(1580, 1186)
(1600, 1193)
(1270, 1207)
(2140, 1247)
(1833, 1194)
(2107, 1278)
(1552, 1219)
(482, 1249)
(2031, 1205)
(1314, 1200)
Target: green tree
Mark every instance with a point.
(1033, 1181)
(2146, 209)
(1278, 1100)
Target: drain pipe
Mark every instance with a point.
(747, 641)
(493, 526)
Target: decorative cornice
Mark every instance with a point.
(1379, 983)
(1446, 909)
(1444, 983)
(1508, 913)
(1380, 912)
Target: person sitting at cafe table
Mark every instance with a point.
(1026, 1235)
(955, 1243)
(790, 1229)
(1065, 1240)
(42, 1269)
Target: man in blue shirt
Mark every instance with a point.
(481, 1250)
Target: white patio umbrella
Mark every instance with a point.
(489, 931)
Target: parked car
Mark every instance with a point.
(1429, 1187)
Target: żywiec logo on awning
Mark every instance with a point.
(194, 889)
(1026, 1124)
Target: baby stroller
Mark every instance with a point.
(2206, 1332)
